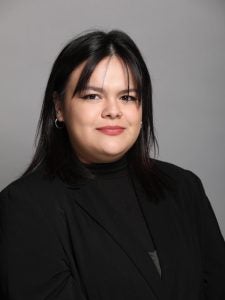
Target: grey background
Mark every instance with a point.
(183, 43)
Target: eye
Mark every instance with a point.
(91, 97)
(128, 98)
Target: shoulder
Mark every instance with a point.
(170, 168)
(187, 195)
(32, 182)
(182, 180)
(175, 172)
(35, 190)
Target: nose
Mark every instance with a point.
(112, 109)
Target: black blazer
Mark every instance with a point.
(57, 243)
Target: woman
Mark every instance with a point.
(94, 216)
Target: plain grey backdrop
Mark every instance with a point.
(183, 43)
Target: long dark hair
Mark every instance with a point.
(53, 150)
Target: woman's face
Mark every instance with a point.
(103, 122)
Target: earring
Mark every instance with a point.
(57, 124)
(141, 124)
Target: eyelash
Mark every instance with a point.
(93, 97)
(89, 97)
(129, 98)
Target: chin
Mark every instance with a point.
(114, 153)
(110, 158)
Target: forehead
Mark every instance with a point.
(110, 71)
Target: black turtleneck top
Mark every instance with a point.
(122, 201)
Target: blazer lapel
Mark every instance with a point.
(159, 224)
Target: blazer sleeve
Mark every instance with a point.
(212, 246)
(32, 262)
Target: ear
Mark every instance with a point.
(58, 107)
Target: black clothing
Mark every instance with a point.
(122, 202)
(62, 242)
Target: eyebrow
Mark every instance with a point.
(99, 89)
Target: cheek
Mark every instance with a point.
(78, 118)
(134, 116)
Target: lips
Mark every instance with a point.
(111, 130)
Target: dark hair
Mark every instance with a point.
(54, 150)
